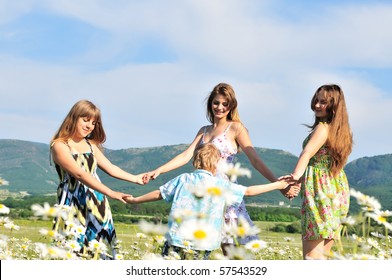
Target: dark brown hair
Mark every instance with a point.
(340, 139)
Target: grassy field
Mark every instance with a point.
(127, 234)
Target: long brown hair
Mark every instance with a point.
(81, 109)
(227, 91)
(340, 139)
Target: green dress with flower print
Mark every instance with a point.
(326, 198)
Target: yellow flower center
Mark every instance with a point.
(214, 191)
(200, 234)
(241, 231)
(382, 219)
(52, 211)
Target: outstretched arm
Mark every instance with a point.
(259, 189)
(179, 160)
(243, 139)
(151, 196)
(62, 157)
(115, 171)
(317, 140)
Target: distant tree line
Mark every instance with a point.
(286, 219)
(154, 211)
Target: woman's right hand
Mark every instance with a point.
(292, 191)
(123, 197)
(152, 175)
(129, 199)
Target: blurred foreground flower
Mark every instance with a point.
(46, 211)
(3, 182)
(233, 171)
(200, 233)
(370, 203)
(4, 209)
(151, 228)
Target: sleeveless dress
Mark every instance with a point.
(233, 212)
(91, 209)
(326, 198)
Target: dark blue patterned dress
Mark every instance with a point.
(91, 208)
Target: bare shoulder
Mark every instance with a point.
(236, 125)
(203, 128)
(59, 150)
(320, 132)
(95, 147)
(322, 127)
(58, 145)
(237, 128)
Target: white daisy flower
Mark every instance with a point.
(140, 235)
(96, 246)
(45, 211)
(347, 221)
(243, 228)
(151, 228)
(200, 233)
(11, 226)
(371, 203)
(4, 209)
(3, 182)
(233, 171)
(256, 245)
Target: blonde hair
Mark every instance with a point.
(206, 156)
(81, 109)
(340, 139)
(227, 91)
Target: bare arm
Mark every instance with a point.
(243, 140)
(178, 160)
(114, 170)
(259, 189)
(317, 140)
(62, 156)
(151, 196)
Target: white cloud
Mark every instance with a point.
(275, 63)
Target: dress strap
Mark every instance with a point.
(204, 133)
(227, 128)
(91, 148)
(50, 155)
(50, 152)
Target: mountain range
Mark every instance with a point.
(27, 167)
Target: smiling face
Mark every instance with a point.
(222, 100)
(320, 106)
(220, 107)
(84, 127)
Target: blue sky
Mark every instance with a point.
(149, 66)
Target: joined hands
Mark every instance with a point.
(294, 187)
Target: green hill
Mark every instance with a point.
(26, 166)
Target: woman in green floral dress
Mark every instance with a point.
(325, 189)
